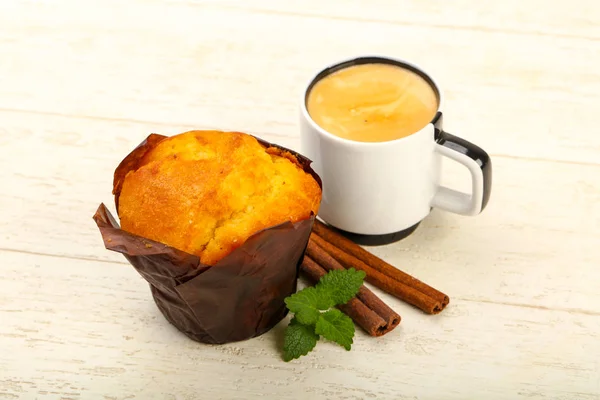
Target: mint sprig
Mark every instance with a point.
(315, 317)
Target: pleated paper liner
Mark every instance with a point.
(241, 296)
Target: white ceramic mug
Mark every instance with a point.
(381, 191)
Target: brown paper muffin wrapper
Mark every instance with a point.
(240, 297)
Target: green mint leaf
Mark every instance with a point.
(307, 316)
(341, 285)
(324, 300)
(302, 334)
(337, 327)
(299, 340)
(307, 303)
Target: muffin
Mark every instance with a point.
(217, 223)
(206, 192)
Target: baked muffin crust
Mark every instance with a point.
(206, 192)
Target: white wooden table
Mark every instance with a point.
(82, 82)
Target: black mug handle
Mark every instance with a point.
(479, 164)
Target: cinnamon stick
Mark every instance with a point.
(422, 300)
(365, 295)
(361, 314)
(375, 262)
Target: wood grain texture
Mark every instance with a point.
(185, 62)
(87, 330)
(83, 82)
(509, 17)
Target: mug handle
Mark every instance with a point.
(479, 164)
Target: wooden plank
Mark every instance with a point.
(514, 94)
(87, 330)
(561, 19)
(543, 217)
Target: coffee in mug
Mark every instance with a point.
(373, 128)
(373, 102)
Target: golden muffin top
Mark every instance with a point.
(206, 192)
